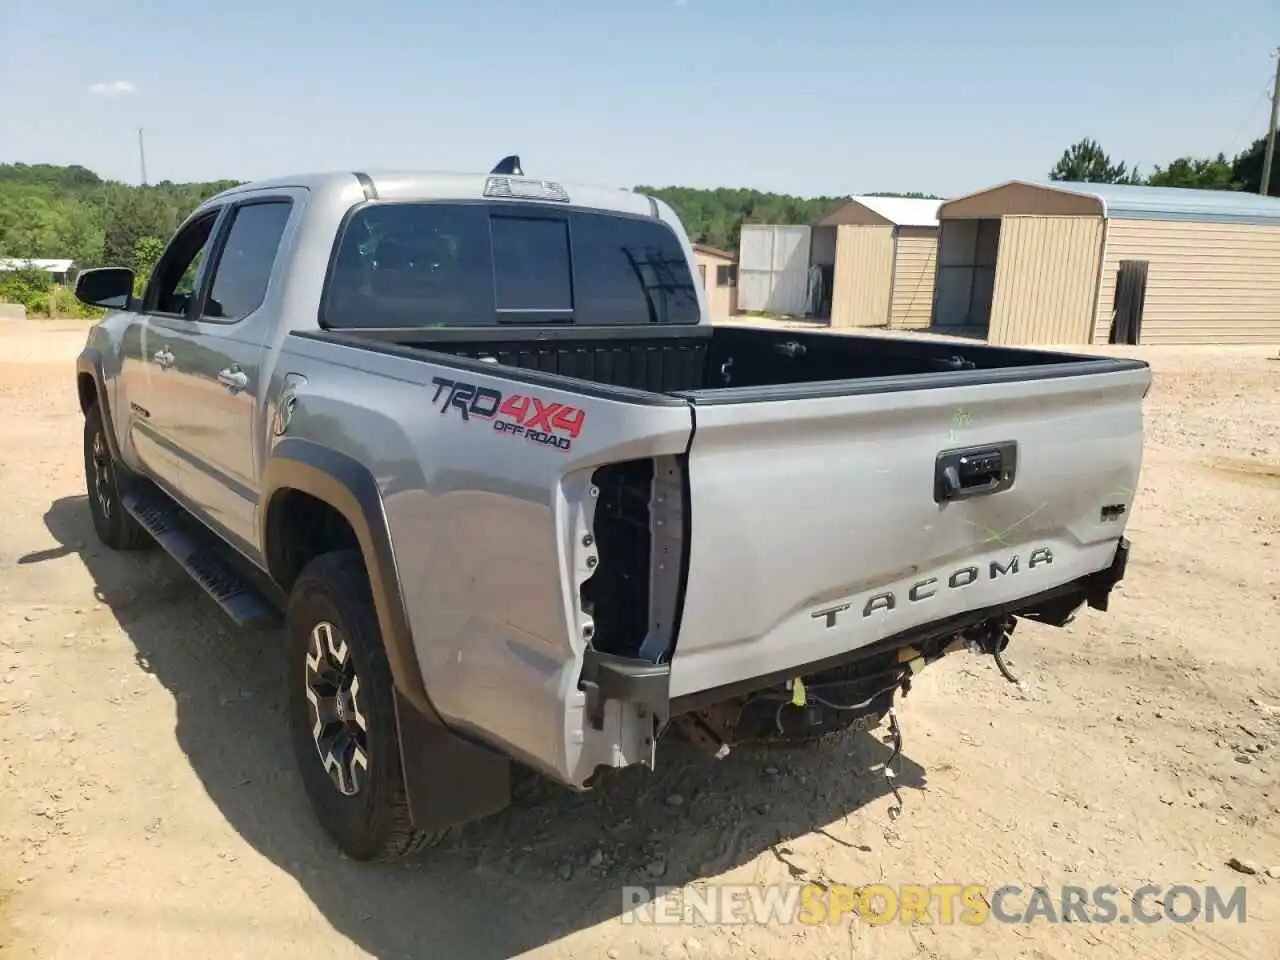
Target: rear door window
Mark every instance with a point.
(481, 264)
(248, 256)
(412, 265)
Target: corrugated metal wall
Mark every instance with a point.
(1207, 282)
(863, 276)
(914, 265)
(966, 274)
(755, 267)
(773, 268)
(1046, 280)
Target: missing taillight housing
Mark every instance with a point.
(633, 596)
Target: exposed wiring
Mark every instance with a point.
(1004, 669)
(900, 675)
(895, 730)
(828, 704)
(890, 775)
(865, 703)
(777, 716)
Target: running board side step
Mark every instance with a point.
(202, 555)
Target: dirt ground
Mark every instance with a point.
(149, 804)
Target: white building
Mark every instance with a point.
(60, 269)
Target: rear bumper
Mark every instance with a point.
(1098, 590)
(635, 681)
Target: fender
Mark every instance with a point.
(90, 362)
(448, 779)
(347, 486)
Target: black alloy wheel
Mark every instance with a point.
(102, 479)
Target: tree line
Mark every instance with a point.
(1087, 162)
(70, 212)
(715, 216)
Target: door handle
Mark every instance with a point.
(164, 357)
(974, 471)
(233, 378)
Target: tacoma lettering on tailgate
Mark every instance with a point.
(929, 586)
(550, 424)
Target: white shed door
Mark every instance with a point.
(773, 268)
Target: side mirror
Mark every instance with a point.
(110, 287)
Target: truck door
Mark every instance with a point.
(149, 362)
(218, 376)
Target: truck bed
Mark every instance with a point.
(732, 363)
(743, 505)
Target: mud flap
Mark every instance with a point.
(448, 780)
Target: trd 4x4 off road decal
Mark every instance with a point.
(550, 424)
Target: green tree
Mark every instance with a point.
(145, 254)
(1087, 162)
(28, 222)
(715, 217)
(1203, 174)
(71, 212)
(1246, 169)
(28, 286)
(138, 214)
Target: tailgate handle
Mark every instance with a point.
(974, 471)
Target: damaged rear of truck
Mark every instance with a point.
(584, 517)
(595, 564)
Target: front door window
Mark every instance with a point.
(177, 276)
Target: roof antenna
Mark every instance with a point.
(509, 165)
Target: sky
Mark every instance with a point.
(811, 97)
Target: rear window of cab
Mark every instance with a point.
(483, 264)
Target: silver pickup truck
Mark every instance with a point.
(474, 441)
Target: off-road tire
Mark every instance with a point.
(373, 823)
(102, 474)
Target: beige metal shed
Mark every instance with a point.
(884, 261)
(1076, 263)
(718, 273)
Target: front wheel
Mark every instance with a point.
(342, 713)
(113, 525)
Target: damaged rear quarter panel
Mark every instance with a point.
(487, 527)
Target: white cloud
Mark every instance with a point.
(112, 88)
(679, 3)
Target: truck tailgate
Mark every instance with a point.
(822, 524)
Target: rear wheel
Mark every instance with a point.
(113, 525)
(342, 713)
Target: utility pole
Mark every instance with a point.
(142, 158)
(1271, 129)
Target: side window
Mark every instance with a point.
(412, 265)
(247, 258)
(174, 280)
(727, 275)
